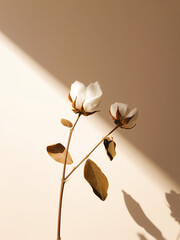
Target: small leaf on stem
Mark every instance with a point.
(66, 123)
(58, 153)
(96, 178)
(110, 146)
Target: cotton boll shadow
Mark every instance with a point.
(173, 199)
(140, 218)
(142, 237)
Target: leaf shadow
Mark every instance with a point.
(140, 217)
(173, 200)
(142, 237)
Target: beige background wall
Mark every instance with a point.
(132, 49)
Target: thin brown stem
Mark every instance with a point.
(90, 152)
(63, 180)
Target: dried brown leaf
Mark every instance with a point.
(96, 178)
(110, 147)
(58, 152)
(66, 123)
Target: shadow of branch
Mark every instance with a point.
(173, 199)
(142, 237)
(140, 218)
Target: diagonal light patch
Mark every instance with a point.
(31, 106)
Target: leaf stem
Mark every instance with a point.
(63, 180)
(90, 153)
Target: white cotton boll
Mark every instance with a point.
(77, 93)
(76, 89)
(93, 90)
(93, 97)
(133, 115)
(125, 118)
(113, 109)
(91, 104)
(85, 100)
(123, 109)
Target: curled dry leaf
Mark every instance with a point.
(110, 146)
(58, 152)
(66, 123)
(96, 178)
